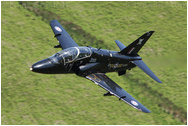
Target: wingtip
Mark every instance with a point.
(147, 111)
(159, 81)
(116, 41)
(53, 22)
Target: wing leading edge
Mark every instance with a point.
(106, 83)
(62, 36)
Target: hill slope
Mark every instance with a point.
(126, 21)
(30, 98)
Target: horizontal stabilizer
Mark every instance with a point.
(120, 45)
(146, 69)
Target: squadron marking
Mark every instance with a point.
(140, 41)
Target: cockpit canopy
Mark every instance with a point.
(72, 54)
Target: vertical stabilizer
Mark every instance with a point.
(134, 47)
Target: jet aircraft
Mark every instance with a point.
(93, 63)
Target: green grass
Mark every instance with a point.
(128, 20)
(107, 20)
(31, 98)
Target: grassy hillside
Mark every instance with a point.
(30, 98)
(127, 21)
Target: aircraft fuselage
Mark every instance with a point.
(93, 63)
(81, 60)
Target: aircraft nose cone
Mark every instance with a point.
(42, 66)
(31, 68)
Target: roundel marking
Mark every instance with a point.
(134, 103)
(58, 29)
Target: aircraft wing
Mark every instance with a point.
(62, 36)
(103, 81)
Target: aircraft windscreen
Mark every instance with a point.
(84, 52)
(71, 54)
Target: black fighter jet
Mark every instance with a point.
(93, 63)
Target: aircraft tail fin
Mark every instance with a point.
(146, 69)
(134, 47)
(133, 50)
